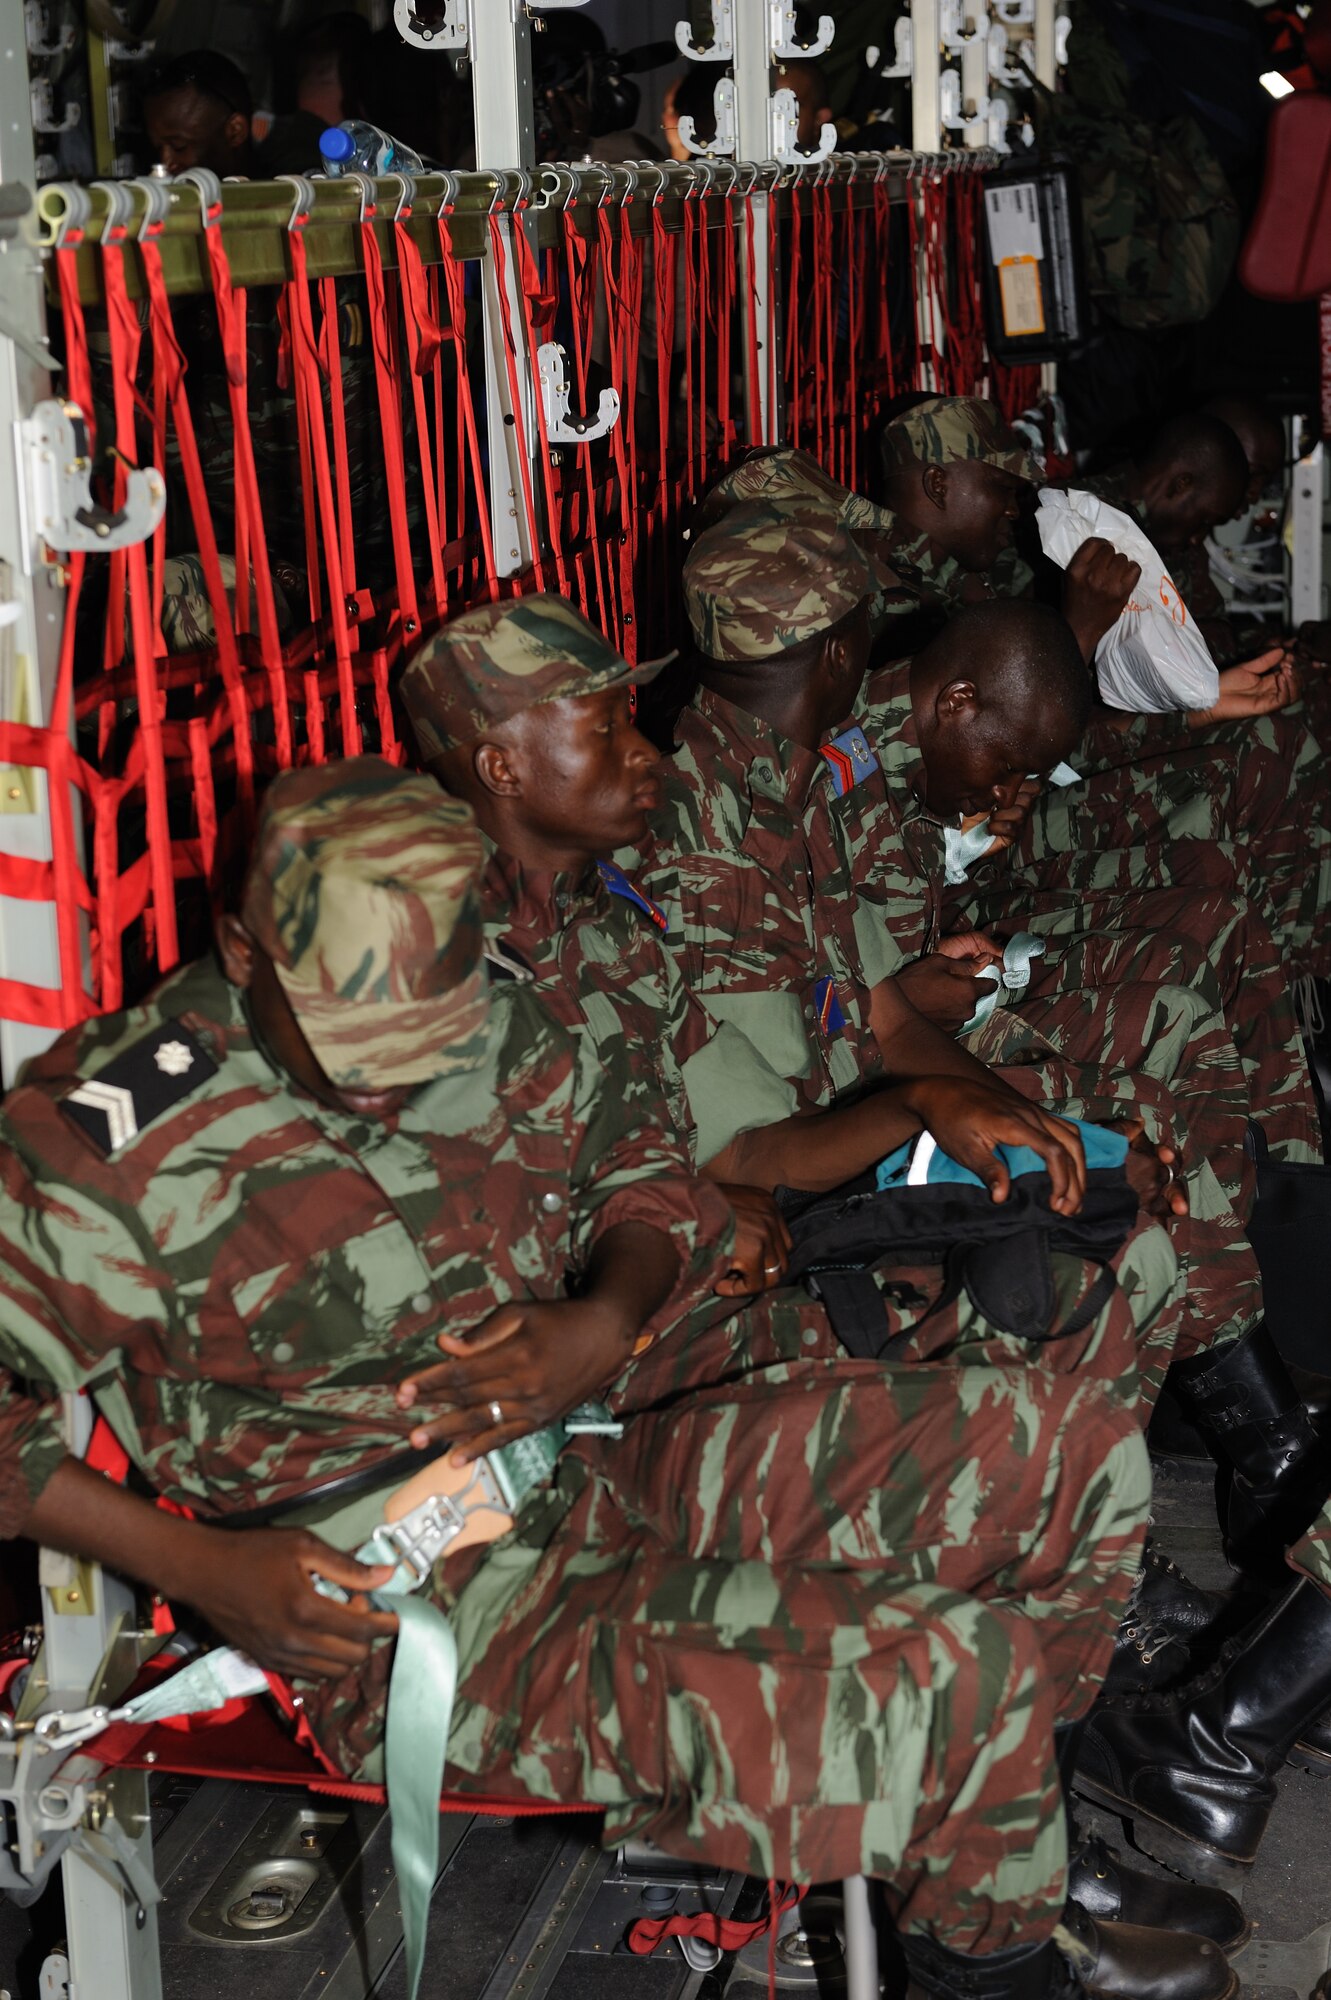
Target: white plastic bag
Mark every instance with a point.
(1152, 657)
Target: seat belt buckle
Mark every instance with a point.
(415, 1542)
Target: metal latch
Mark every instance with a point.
(64, 512)
(561, 426)
(721, 48)
(435, 28)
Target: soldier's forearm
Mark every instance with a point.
(819, 1151)
(910, 1046)
(631, 1273)
(82, 1514)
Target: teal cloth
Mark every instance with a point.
(420, 1714)
(1103, 1147)
(1014, 974)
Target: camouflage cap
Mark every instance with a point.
(772, 573)
(784, 472)
(942, 430)
(361, 890)
(499, 659)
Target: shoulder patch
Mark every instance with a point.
(148, 1079)
(505, 961)
(617, 882)
(849, 758)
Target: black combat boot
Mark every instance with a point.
(1117, 1961)
(1263, 1438)
(1168, 1616)
(1194, 1771)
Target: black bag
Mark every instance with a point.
(998, 1252)
(1290, 1231)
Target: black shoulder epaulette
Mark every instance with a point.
(136, 1087)
(506, 962)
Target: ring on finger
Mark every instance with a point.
(496, 1413)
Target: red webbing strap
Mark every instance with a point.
(168, 360)
(390, 419)
(724, 320)
(500, 257)
(691, 332)
(646, 1933)
(305, 371)
(856, 223)
(824, 306)
(536, 307)
(578, 259)
(78, 368)
(330, 357)
(706, 313)
(969, 310)
(921, 368)
(882, 237)
(632, 259)
(286, 378)
(664, 281)
(424, 341)
(794, 344)
(124, 337)
(231, 303)
(619, 312)
(455, 287)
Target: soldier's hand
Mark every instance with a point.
(944, 989)
(1153, 1171)
(1253, 687)
(533, 1360)
(969, 1120)
(1097, 584)
(762, 1242)
(970, 944)
(1007, 823)
(257, 1590)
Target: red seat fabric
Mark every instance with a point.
(1287, 252)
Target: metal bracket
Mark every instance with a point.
(785, 134)
(43, 108)
(560, 426)
(452, 30)
(785, 47)
(64, 513)
(952, 30)
(903, 54)
(952, 112)
(721, 48)
(1000, 69)
(723, 145)
(1015, 13)
(37, 25)
(999, 118)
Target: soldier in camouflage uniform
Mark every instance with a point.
(523, 710)
(767, 591)
(864, 1673)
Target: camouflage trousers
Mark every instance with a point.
(807, 1626)
(1125, 1346)
(1311, 1554)
(1250, 793)
(1236, 963)
(1143, 1010)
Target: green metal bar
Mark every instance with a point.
(256, 214)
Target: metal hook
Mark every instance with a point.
(550, 180)
(303, 200)
(723, 99)
(365, 187)
(497, 198)
(517, 186)
(407, 199)
(729, 167)
(721, 48)
(662, 177)
(450, 181)
(119, 206)
(632, 182)
(156, 203)
(209, 190)
(561, 427)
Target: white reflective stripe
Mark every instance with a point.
(925, 1148)
(115, 1103)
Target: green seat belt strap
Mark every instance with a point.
(420, 1713)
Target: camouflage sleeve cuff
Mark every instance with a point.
(32, 1447)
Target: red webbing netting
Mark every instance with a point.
(325, 446)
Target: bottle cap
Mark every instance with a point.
(335, 144)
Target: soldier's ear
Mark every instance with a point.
(956, 701)
(236, 949)
(934, 484)
(494, 771)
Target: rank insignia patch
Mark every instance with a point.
(831, 1020)
(617, 882)
(849, 758)
(138, 1086)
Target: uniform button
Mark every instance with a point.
(765, 772)
(640, 1674)
(422, 1302)
(552, 1203)
(808, 1013)
(810, 1336)
(284, 1351)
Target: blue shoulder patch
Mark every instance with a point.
(617, 882)
(849, 758)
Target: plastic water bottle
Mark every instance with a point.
(356, 146)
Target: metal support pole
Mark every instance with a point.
(111, 1936)
(1307, 595)
(1046, 63)
(32, 597)
(764, 401)
(926, 125)
(861, 1940)
(975, 74)
(505, 139)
